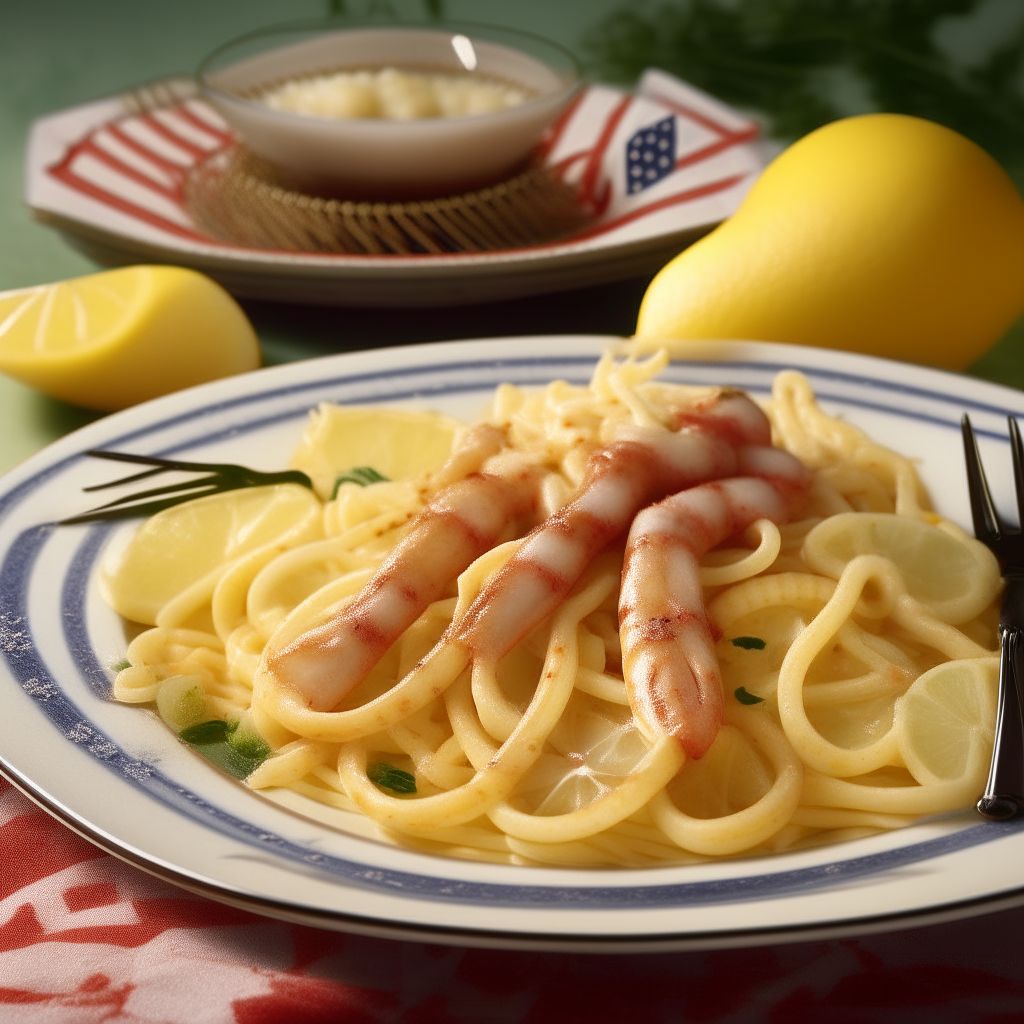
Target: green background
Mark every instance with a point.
(56, 53)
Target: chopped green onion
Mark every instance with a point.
(387, 776)
(237, 751)
(120, 666)
(249, 744)
(749, 643)
(745, 697)
(214, 731)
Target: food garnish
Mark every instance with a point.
(387, 776)
(224, 744)
(749, 643)
(361, 475)
(221, 477)
(745, 697)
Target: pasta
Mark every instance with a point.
(479, 663)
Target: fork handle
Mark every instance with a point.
(1004, 793)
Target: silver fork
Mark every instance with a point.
(1004, 792)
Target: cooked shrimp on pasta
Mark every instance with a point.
(623, 624)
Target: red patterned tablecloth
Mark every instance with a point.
(86, 939)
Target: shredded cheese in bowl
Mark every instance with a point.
(387, 112)
(395, 94)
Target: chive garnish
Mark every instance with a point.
(361, 475)
(214, 731)
(744, 696)
(220, 477)
(749, 643)
(120, 666)
(222, 744)
(387, 776)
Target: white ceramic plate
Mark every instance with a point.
(118, 776)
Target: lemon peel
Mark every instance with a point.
(110, 340)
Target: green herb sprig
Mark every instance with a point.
(802, 63)
(361, 475)
(744, 696)
(219, 477)
(387, 776)
(749, 643)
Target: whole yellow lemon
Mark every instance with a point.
(882, 233)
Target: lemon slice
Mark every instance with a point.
(398, 445)
(181, 702)
(187, 544)
(946, 720)
(593, 753)
(954, 579)
(110, 340)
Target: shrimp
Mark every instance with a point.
(668, 647)
(462, 521)
(468, 517)
(639, 467)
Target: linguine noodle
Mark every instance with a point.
(840, 636)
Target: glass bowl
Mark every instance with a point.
(376, 158)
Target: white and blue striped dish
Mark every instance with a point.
(118, 776)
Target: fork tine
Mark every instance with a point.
(1017, 449)
(986, 520)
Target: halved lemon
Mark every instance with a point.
(197, 541)
(110, 340)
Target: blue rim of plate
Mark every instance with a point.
(29, 669)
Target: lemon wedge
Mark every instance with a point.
(946, 720)
(109, 340)
(188, 547)
(398, 445)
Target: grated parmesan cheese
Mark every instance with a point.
(395, 95)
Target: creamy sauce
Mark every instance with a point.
(396, 95)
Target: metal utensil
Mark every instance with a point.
(1004, 792)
